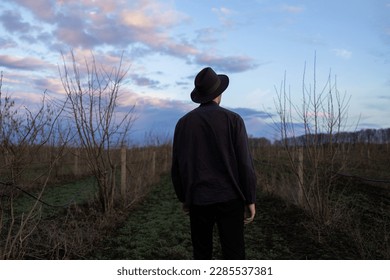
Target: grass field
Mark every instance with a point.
(59, 197)
(158, 229)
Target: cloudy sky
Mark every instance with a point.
(166, 43)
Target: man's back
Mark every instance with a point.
(211, 149)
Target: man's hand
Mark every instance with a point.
(250, 212)
(186, 209)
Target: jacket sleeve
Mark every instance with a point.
(247, 175)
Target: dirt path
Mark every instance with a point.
(158, 229)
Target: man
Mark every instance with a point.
(212, 170)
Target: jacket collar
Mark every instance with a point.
(210, 103)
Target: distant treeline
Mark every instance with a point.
(367, 136)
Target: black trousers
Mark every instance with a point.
(229, 218)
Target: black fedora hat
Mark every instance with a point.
(208, 85)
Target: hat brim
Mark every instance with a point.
(199, 97)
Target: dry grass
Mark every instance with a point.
(357, 209)
(32, 230)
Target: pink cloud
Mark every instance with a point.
(42, 9)
(22, 63)
(147, 23)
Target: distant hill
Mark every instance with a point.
(368, 136)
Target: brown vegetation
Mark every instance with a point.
(358, 199)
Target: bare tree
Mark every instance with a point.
(24, 134)
(92, 95)
(311, 134)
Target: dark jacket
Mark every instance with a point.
(211, 161)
